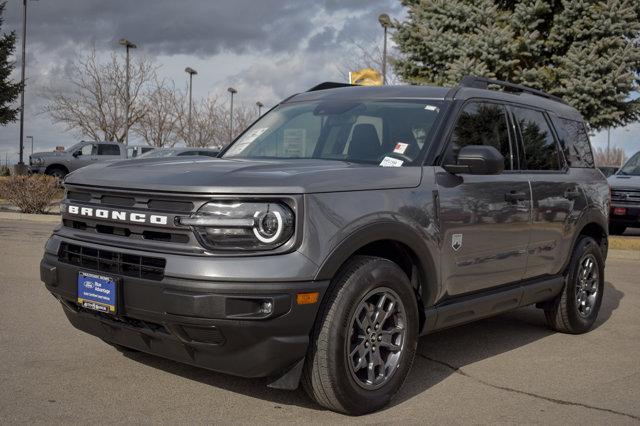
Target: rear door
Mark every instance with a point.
(484, 219)
(557, 197)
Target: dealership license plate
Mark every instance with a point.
(97, 292)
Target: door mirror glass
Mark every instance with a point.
(477, 160)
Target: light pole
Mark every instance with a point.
(31, 137)
(191, 73)
(22, 80)
(385, 21)
(128, 45)
(233, 92)
(259, 105)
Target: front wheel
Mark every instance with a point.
(365, 338)
(575, 309)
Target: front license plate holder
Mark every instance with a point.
(98, 292)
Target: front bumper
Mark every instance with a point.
(630, 219)
(210, 324)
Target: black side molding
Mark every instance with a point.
(464, 309)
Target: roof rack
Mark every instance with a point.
(329, 85)
(483, 83)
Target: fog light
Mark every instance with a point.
(266, 308)
(619, 211)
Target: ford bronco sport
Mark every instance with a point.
(335, 230)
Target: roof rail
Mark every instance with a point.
(329, 85)
(483, 83)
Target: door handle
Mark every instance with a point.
(515, 196)
(571, 194)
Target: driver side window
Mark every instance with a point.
(482, 123)
(86, 150)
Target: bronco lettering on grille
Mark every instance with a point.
(117, 215)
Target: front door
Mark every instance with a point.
(484, 219)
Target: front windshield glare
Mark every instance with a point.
(159, 153)
(632, 167)
(387, 133)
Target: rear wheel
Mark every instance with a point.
(575, 310)
(365, 338)
(617, 229)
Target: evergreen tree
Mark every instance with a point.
(586, 51)
(9, 91)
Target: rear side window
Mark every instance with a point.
(482, 123)
(540, 147)
(108, 150)
(574, 142)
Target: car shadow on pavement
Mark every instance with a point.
(438, 355)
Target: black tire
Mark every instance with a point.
(329, 377)
(571, 312)
(58, 172)
(617, 229)
(120, 348)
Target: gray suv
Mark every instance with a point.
(336, 230)
(60, 163)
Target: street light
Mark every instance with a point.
(21, 168)
(385, 21)
(259, 105)
(31, 137)
(233, 92)
(191, 73)
(128, 45)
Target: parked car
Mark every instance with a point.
(138, 151)
(625, 197)
(334, 231)
(181, 152)
(61, 163)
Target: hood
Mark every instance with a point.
(48, 154)
(212, 175)
(624, 181)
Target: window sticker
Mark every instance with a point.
(391, 162)
(432, 108)
(400, 148)
(294, 143)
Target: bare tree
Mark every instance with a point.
(160, 123)
(615, 157)
(210, 120)
(94, 102)
(205, 122)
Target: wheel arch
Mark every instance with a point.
(393, 241)
(595, 225)
(56, 166)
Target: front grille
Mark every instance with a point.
(626, 195)
(128, 201)
(144, 267)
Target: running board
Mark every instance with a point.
(468, 308)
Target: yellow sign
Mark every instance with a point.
(365, 77)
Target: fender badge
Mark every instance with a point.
(456, 242)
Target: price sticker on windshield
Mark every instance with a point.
(391, 162)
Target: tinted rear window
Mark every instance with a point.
(108, 150)
(574, 141)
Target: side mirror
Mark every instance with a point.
(477, 160)
(77, 153)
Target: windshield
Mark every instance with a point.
(160, 153)
(631, 167)
(388, 133)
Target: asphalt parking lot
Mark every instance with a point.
(508, 369)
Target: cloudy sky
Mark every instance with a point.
(267, 49)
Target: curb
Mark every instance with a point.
(49, 218)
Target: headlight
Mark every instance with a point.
(37, 161)
(237, 225)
